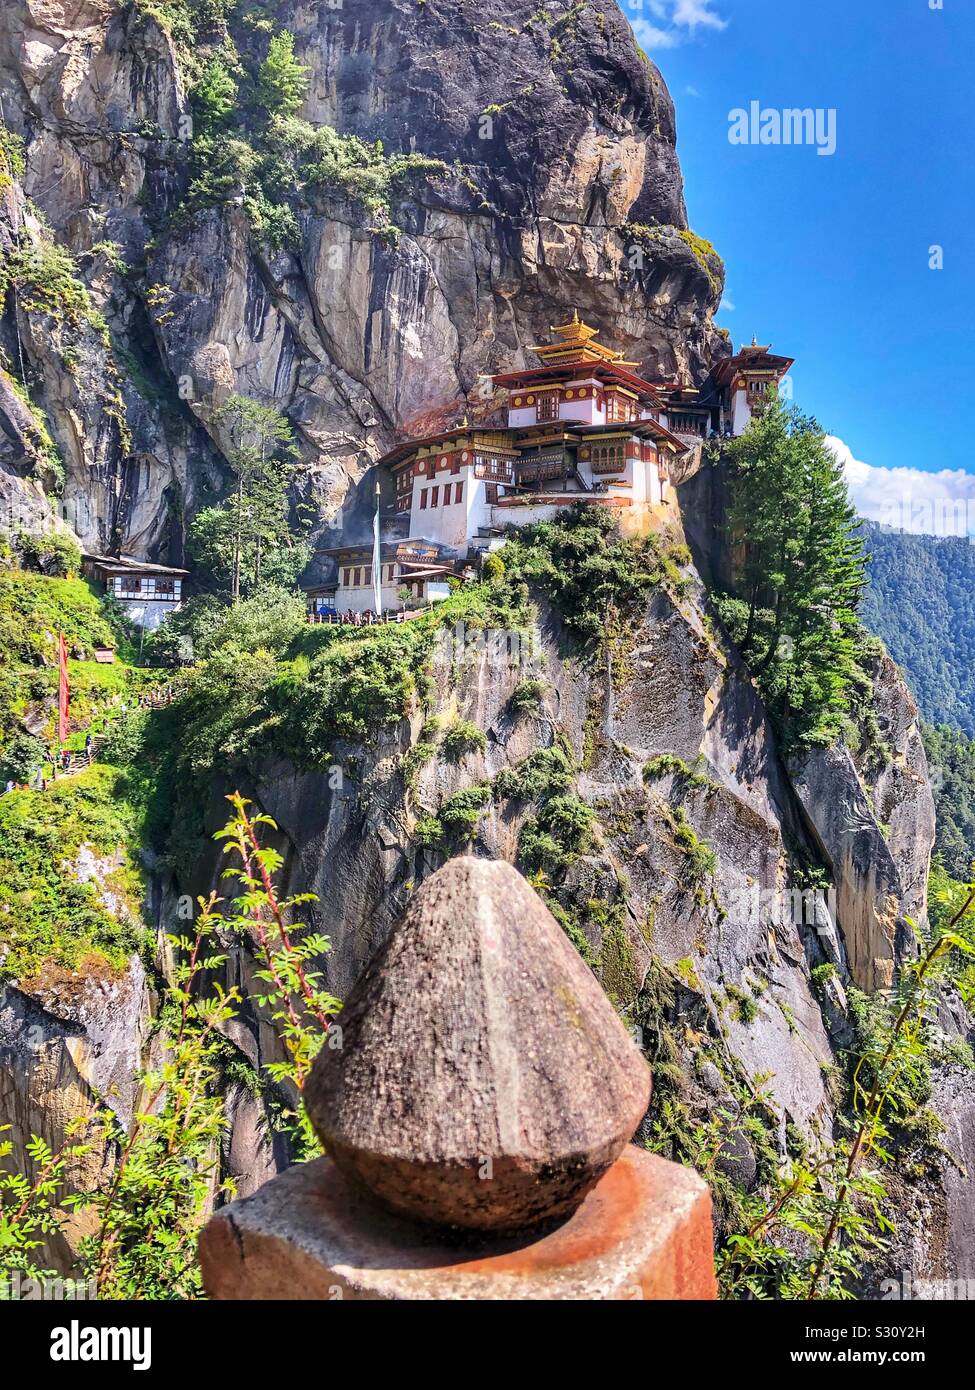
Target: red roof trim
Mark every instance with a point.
(599, 371)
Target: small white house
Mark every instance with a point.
(413, 574)
(147, 592)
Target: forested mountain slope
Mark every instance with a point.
(921, 601)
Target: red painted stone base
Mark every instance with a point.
(644, 1231)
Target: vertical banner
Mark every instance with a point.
(63, 690)
(377, 561)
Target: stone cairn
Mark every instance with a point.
(476, 1120)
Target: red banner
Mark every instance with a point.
(63, 690)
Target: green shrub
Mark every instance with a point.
(416, 758)
(528, 695)
(462, 738)
(743, 1005)
(700, 860)
(562, 830)
(11, 154)
(21, 758)
(461, 812)
(821, 975)
(493, 569)
(585, 568)
(669, 765)
(50, 552)
(34, 608)
(429, 832)
(546, 772)
(47, 278)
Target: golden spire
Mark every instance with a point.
(576, 342)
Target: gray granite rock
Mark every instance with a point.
(484, 1079)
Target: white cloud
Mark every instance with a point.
(695, 14)
(908, 499)
(651, 38)
(691, 91)
(726, 304)
(679, 21)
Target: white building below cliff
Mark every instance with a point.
(147, 593)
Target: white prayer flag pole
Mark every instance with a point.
(377, 570)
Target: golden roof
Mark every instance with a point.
(576, 342)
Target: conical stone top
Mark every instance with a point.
(484, 1079)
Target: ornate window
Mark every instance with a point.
(609, 458)
(498, 470)
(617, 409)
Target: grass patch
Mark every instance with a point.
(34, 608)
(48, 917)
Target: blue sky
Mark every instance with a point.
(828, 256)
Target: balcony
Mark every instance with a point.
(553, 470)
(692, 426)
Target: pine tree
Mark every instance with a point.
(214, 95)
(282, 80)
(801, 571)
(247, 538)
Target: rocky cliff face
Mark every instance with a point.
(559, 188)
(691, 905)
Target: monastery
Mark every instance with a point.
(582, 426)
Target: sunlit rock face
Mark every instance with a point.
(558, 133)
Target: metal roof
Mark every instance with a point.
(126, 564)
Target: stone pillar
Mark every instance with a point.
(476, 1119)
